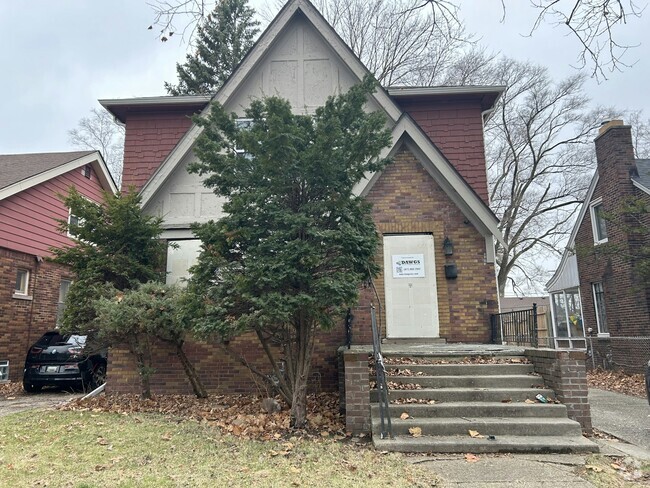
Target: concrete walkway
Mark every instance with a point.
(45, 399)
(622, 416)
(520, 470)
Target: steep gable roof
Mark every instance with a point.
(257, 52)
(642, 180)
(408, 132)
(19, 172)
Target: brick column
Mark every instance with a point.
(357, 392)
(565, 373)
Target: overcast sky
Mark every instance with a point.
(60, 56)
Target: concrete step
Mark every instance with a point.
(497, 426)
(475, 409)
(487, 381)
(465, 444)
(462, 369)
(466, 394)
(418, 341)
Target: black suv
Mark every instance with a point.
(63, 360)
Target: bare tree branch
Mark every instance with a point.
(99, 132)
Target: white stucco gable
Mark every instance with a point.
(299, 57)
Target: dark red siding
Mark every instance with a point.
(456, 127)
(150, 137)
(28, 219)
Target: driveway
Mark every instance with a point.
(19, 402)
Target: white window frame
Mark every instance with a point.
(60, 305)
(4, 371)
(595, 218)
(243, 124)
(597, 309)
(23, 292)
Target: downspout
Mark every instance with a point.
(39, 260)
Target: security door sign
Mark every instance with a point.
(408, 265)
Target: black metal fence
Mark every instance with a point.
(516, 328)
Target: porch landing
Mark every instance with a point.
(443, 350)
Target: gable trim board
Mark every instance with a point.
(640, 186)
(568, 249)
(94, 159)
(407, 132)
(261, 47)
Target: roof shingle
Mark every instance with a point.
(18, 167)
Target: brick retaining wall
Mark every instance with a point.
(565, 373)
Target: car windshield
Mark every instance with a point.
(54, 338)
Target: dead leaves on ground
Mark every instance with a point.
(239, 415)
(396, 361)
(617, 381)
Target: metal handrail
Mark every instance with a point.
(382, 387)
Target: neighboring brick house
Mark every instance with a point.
(596, 288)
(434, 193)
(32, 288)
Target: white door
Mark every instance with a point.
(410, 284)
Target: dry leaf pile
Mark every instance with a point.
(617, 381)
(392, 385)
(406, 401)
(404, 372)
(240, 415)
(394, 361)
(12, 389)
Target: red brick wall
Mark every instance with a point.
(406, 200)
(456, 127)
(150, 137)
(22, 321)
(626, 300)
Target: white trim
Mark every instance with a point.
(94, 159)
(177, 234)
(640, 186)
(594, 221)
(568, 250)
(405, 91)
(23, 291)
(260, 48)
(146, 101)
(593, 293)
(407, 132)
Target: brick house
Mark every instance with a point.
(596, 288)
(435, 193)
(32, 289)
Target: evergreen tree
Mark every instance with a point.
(295, 243)
(117, 248)
(221, 43)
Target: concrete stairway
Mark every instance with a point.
(447, 397)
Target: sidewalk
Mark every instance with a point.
(622, 416)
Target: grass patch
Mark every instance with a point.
(604, 472)
(86, 449)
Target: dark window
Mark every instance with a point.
(86, 171)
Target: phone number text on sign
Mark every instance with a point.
(408, 266)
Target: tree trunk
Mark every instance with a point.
(190, 372)
(299, 403)
(302, 367)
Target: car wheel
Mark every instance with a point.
(98, 377)
(31, 387)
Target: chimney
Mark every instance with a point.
(615, 153)
(604, 127)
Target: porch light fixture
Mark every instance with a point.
(448, 246)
